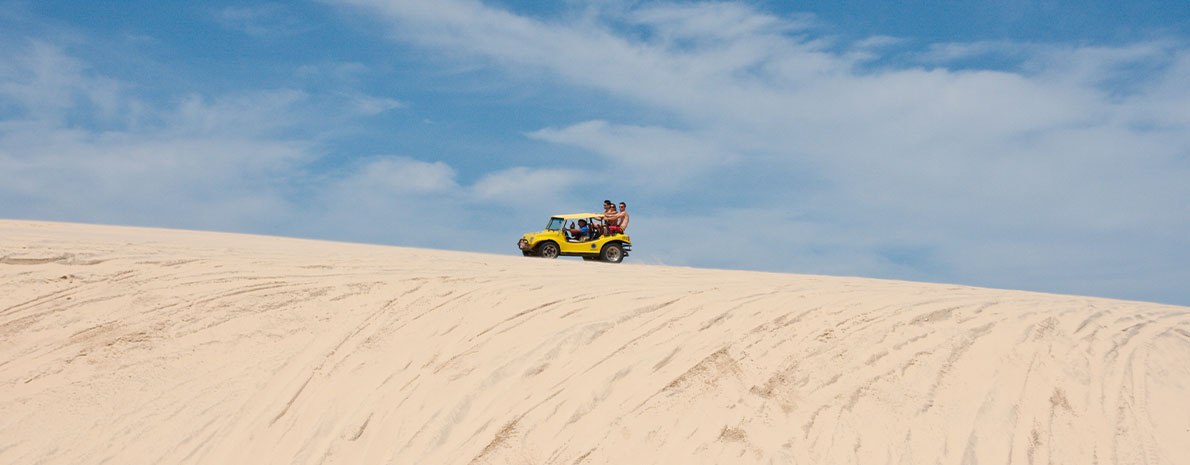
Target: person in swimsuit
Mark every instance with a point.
(623, 217)
(609, 208)
(607, 221)
(617, 222)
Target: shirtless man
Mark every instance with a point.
(623, 217)
(609, 219)
(617, 222)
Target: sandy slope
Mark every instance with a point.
(128, 346)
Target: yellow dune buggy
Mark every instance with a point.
(557, 239)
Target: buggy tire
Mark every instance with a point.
(612, 253)
(548, 250)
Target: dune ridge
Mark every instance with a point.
(135, 345)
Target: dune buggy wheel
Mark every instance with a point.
(612, 253)
(548, 250)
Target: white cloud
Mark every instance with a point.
(263, 20)
(941, 54)
(43, 81)
(708, 21)
(704, 77)
(256, 113)
(385, 199)
(879, 41)
(203, 163)
(127, 178)
(641, 152)
(398, 175)
(528, 186)
(367, 105)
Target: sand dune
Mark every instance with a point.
(142, 346)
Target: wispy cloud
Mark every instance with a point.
(44, 82)
(78, 145)
(263, 20)
(639, 153)
(522, 186)
(368, 105)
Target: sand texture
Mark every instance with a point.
(144, 346)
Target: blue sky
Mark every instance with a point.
(1026, 145)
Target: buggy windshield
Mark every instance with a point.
(554, 224)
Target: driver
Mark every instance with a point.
(581, 232)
